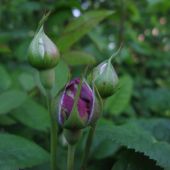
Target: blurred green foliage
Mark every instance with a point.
(86, 33)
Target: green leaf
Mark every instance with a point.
(61, 161)
(153, 2)
(21, 50)
(45, 166)
(33, 115)
(11, 100)
(158, 127)
(18, 152)
(99, 39)
(158, 100)
(117, 103)
(5, 79)
(81, 26)
(102, 147)
(75, 58)
(4, 49)
(30, 6)
(6, 120)
(8, 167)
(130, 160)
(27, 81)
(134, 137)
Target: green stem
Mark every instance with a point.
(88, 146)
(70, 158)
(53, 134)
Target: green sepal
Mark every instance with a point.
(98, 107)
(97, 94)
(74, 121)
(72, 136)
(43, 20)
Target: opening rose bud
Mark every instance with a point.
(43, 53)
(81, 115)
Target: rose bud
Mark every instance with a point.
(77, 114)
(44, 56)
(105, 78)
(43, 53)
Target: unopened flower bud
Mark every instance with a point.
(105, 78)
(43, 53)
(80, 114)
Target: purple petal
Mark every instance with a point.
(86, 92)
(85, 101)
(82, 108)
(68, 103)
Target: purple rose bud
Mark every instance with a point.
(80, 117)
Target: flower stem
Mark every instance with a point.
(53, 133)
(70, 158)
(88, 146)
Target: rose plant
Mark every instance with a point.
(61, 94)
(80, 105)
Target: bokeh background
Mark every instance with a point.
(86, 33)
